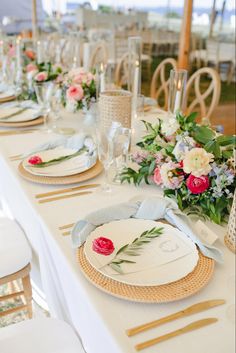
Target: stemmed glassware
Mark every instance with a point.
(113, 145)
(44, 92)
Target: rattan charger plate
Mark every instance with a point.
(34, 122)
(181, 289)
(70, 179)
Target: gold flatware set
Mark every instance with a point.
(65, 193)
(193, 309)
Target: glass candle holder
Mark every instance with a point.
(177, 91)
(134, 66)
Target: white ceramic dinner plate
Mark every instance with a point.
(68, 167)
(166, 259)
(23, 116)
(8, 93)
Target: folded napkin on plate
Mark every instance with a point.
(152, 208)
(77, 142)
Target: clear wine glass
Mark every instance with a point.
(44, 92)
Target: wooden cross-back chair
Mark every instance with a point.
(99, 55)
(122, 71)
(200, 102)
(160, 82)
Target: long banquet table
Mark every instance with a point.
(99, 318)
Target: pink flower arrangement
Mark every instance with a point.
(41, 76)
(79, 89)
(191, 162)
(35, 160)
(75, 92)
(103, 246)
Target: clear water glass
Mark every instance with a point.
(105, 144)
(44, 92)
(121, 145)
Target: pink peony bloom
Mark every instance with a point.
(197, 185)
(31, 67)
(41, 76)
(103, 246)
(75, 93)
(157, 176)
(35, 160)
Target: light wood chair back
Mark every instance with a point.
(24, 276)
(203, 94)
(99, 55)
(122, 71)
(160, 81)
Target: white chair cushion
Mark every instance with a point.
(15, 252)
(42, 335)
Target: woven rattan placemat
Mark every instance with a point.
(181, 289)
(7, 99)
(71, 179)
(34, 122)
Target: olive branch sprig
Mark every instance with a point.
(59, 159)
(134, 248)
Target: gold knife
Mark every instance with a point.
(193, 309)
(193, 326)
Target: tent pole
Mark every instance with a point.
(213, 17)
(34, 21)
(185, 35)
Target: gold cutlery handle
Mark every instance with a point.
(193, 326)
(193, 309)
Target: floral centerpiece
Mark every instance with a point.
(192, 163)
(79, 90)
(42, 72)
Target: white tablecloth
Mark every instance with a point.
(101, 319)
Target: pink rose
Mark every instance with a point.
(31, 67)
(41, 76)
(157, 176)
(75, 93)
(35, 160)
(103, 246)
(197, 185)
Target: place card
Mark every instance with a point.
(205, 233)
